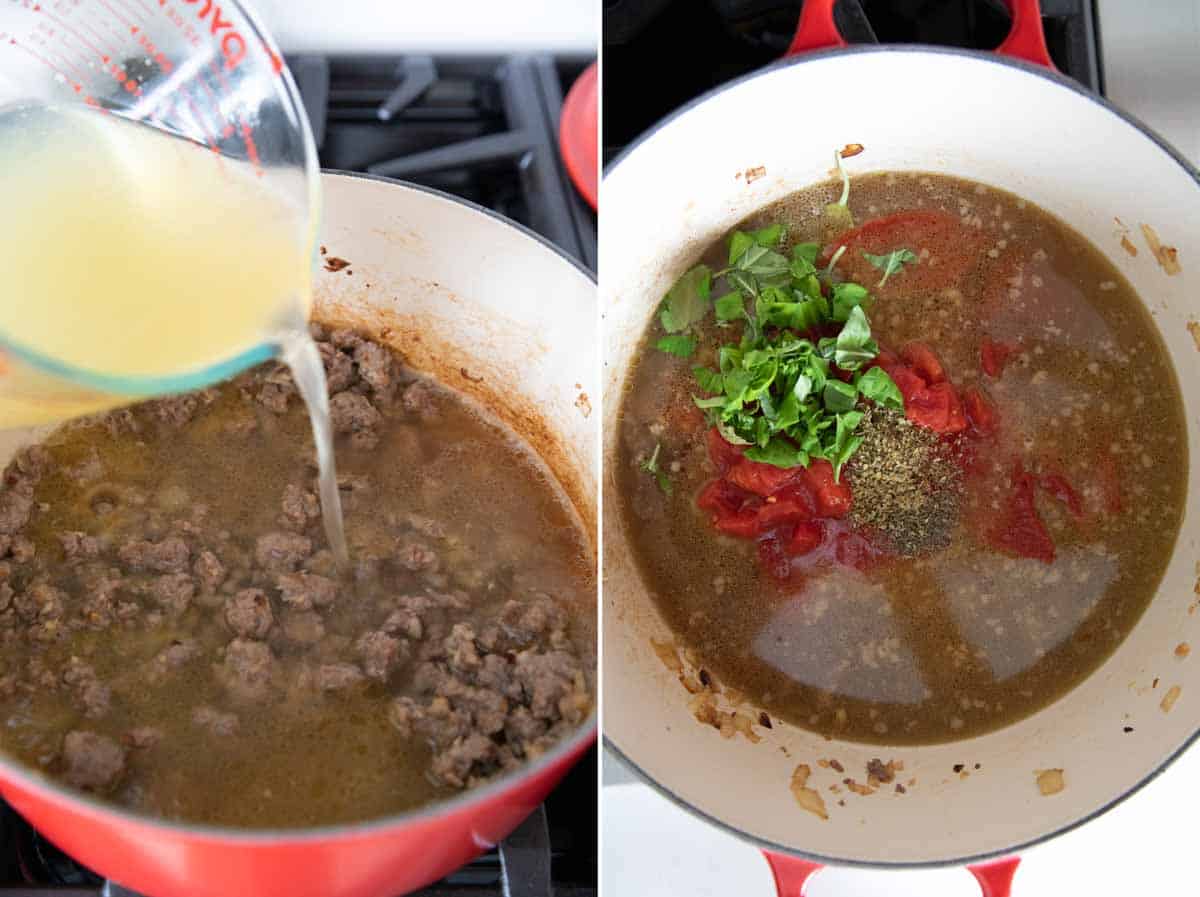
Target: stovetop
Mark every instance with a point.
(483, 128)
(709, 42)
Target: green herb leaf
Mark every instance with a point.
(743, 281)
(710, 381)
(848, 296)
(877, 386)
(891, 263)
(650, 466)
(710, 402)
(729, 435)
(854, 346)
(677, 344)
(769, 236)
(739, 243)
(839, 396)
(845, 444)
(807, 252)
(730, 307)
(687, 301)
(763, 263)
(779, 452)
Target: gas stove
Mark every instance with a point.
(729, 38)
(485, 129)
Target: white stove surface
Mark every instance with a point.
(651, 848)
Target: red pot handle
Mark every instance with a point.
(1026, 40)
(792, 873)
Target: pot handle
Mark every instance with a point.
(816, 30)
(792, 873)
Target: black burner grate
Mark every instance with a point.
(728, 38)
(484, 128)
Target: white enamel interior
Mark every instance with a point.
(943, 112)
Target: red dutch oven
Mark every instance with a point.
(1007, 119)
(462, 293)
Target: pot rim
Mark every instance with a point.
(576, 743)
(1191, 170)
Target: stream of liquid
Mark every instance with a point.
(133, 263)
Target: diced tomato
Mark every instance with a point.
(906, 381)
(761, 479)
(788, 510)
(739, 524)
(1020, 530)
(981, 414)
(924, 362)
(834, 499)
(936, 408)
(806, 537)
(887, 359)
(721, 497)
(774, 559)
(722, 453)
(956, 420)
(993, 356)
(1056, 484)
(955, 247)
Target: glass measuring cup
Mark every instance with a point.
(161, 200)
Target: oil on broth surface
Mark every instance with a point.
(440, 500)
(964, 639)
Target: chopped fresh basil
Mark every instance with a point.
(677, 344)
(687, 301)
(730, 307)
(846, 297)
(854, 346)
(839, 396)
(879, 387)
(650, 466)
(709, 380)
(891, 263)
(778, 451)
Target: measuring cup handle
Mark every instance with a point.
(817, 30)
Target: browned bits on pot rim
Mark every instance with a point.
(333, 263)
(851, 149)
(1182, 650)
(1170, 698)
(808, 798)
(1050, 781)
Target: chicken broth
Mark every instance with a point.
(178, 639)
(987, 546)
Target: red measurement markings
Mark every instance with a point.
(104, 57)
(38, 56)
(134, 11)
(160, 58)
(252, 149)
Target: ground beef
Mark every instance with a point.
(40, 602)
(22, 549)
(303, 627)
(281, 552)
(380, 654)
(339, 368)
(171, 555)
(304, 591)
(416, 556)
(376, 366)
(247, 668)
(79, 546)
(209, 571)
(177, 653)
(353, 413)
(16, 504)
(337, 676)
(173, 592)
(93, 762)
(420, 398)
(216, 721)
(89, 470)
(299, 508)
(179, 410)
(482, 712)
(248, 613)
(92, 696)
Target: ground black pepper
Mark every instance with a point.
(906, 486)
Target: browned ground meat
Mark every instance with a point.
(248, 613)
(145, 618)
(93, 762)
(247, 668)
(171, 555)
(282, 552)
